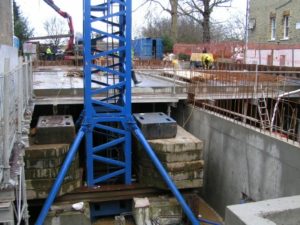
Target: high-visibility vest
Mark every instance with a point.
(48, 51)
(207, 57)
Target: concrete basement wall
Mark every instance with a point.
(240, 159)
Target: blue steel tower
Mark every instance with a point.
(107, 88)
(107, 122)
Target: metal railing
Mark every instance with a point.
(237, 95)
(219, 84)
(15, 96)
(173, 84)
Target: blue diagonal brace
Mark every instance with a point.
(187, 210)
(60, 177)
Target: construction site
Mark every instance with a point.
(106, 137)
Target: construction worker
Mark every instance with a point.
(175, 63)
(49, 53)
(207, 60)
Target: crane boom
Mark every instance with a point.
(70, 45)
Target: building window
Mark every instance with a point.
(273, 28)
(286, 27)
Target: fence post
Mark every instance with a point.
(174, 77)
(20, 98)
(256, 81)
(30, 79)
(26, 80)
(6, 109)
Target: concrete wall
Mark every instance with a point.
(240, 159)
(6, 22)
(270, 212)
(8, 52)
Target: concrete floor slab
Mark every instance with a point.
(53, 85)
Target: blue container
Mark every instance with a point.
(148, 48)
(16, 42)
(159, 48)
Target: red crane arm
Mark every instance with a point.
(70, 23)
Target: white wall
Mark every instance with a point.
(10, 53)
(254, 56)
(297, 57)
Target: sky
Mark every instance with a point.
(37, 12)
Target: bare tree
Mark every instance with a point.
(188, 30)
(157, 27)
(53, 27)
(232, 29)
(172, 9)
(235, 28)
(200, 11)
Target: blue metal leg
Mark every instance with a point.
(138, 133)
(192, 218)
(60, 177)
(80, 119)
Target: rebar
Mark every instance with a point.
(236, 94)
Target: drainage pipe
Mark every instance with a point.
(60, 177)
(139, 135)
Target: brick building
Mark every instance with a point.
(220, 50)
(274, 21)
(274, 32)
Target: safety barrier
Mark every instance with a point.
(15, 96)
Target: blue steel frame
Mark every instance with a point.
(107, 94)
(107, 103)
